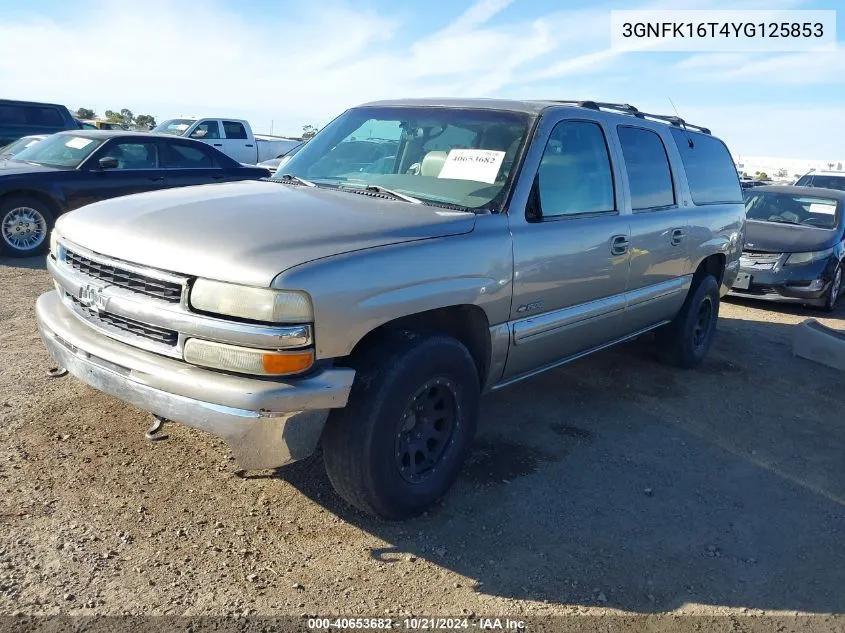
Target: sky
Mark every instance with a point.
(287, 63)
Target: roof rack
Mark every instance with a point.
(626, 108)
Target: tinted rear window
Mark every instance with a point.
(178, 156)
(43, 116)
(709, 167)
(649, 176)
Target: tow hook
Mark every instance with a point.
(153, 433)
(56, 372)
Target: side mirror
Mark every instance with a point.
(108, 162)
(198, 134)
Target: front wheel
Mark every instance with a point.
(400, 442)
(833, 293)
(684, 342)
(25, 224)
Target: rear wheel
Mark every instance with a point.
(25, 224)
(400, 442)
(835, 289)
(686, 340)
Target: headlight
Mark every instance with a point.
(246, 360)
(54, 243)
(805, 258)
(247, 302)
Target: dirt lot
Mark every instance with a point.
(613, 483)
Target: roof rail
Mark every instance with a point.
(626, 108)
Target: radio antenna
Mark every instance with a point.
(683, 124)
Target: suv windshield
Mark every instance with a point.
(60, 150)
(787, 208)
(174, 126)
(439, 155)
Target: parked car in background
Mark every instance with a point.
(412, 255)
(21, 144)
(276, 163)
(71, 169)
(25, 118)
(233, 137)
(99, 124)
(793, 249)
(824, 179)
(748, 183)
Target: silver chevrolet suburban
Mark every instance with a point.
(414, 255)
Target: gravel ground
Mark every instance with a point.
(612, 484)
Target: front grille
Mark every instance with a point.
(759, 260)
(167, 290)
(758, 290)
(131, 326)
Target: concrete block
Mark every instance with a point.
(820, 344)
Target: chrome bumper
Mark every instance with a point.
(266, 423)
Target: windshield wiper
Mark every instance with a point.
(384, 190)
(292, 178)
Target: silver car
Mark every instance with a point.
(414, 255)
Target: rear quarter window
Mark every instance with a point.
(709, 168)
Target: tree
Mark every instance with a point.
(782, 173)
(145, 121)
(762, 175)
(85, 113)
(308, 131)
(113, 116)
(839, 166)
(830, 166)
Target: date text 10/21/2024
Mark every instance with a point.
(417, 623)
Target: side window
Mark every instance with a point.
(647, 165)
(133, 154)
(233, 129)
(179, 156)
(709, 167)
(12, 115)
(829, 182)
(575, 173)
(206, 130)
(45, 116)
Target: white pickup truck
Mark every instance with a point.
(233, 137)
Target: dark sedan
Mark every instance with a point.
(794, 246)
(71, 169)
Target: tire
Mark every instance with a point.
(686, 340)
(369, 446)
(834, 293)
(25, 224)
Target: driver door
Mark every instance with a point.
(137, 170)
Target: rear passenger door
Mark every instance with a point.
(659, 258)
(570, 247)
(237, 144)
(189, 164)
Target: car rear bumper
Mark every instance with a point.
(267, 423)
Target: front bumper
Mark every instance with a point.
(267, 423)
(805, 284)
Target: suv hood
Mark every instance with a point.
(787, 238)
(249, 232)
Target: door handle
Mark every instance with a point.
(677, 236)
(619, 244)
(217, 144)
(156, 178)
(249, 144)
(218, 177)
